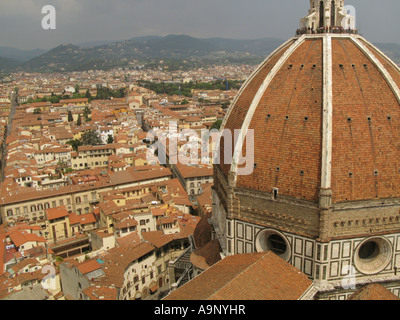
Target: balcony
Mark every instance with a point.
(333, 30)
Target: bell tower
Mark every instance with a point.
(327, 14)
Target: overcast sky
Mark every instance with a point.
(92, 20)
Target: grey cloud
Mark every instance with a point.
(90, 20)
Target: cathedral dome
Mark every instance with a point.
(325, 110)
(319, 131)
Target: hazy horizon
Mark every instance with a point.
(86, 21)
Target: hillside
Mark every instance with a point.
(176, 52)
(7, 65)
(392, 50)
(20, 55)
(177, 49)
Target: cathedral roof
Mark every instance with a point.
(373, 292)
(253, 276)
(325, 110)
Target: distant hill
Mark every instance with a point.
(176, 51)
(391, 49)
(92, 44)
(7, 64)
(20, 55)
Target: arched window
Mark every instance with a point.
(321, 14)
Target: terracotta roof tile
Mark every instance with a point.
(55, 213)
(89, 266)
(373, 292)
(254, 276)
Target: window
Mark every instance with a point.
(270, 240)
(9, 212)
(333, 15)
(275, 192)
(368, 251)
(276, 244)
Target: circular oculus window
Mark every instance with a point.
(373, 255)
(271, 240)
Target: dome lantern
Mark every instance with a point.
(327, 16)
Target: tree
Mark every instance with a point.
(70, 117)
(37, 111)
(88, 95)
(91, 138)
(216, 125)
(86, 112)
(110, 139)
(75, 144)
(79, 121)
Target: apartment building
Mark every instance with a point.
(129, 271)
(193, 177)
(57, 224)
(92, 157)
(55, 155)
(78, 199)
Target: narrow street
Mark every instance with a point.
(7, 132)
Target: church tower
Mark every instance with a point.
(324, 193)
